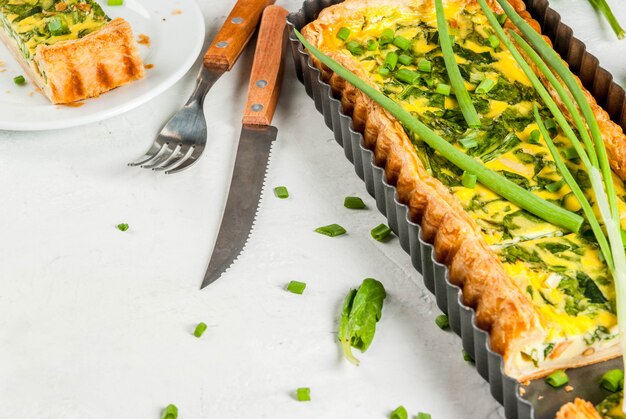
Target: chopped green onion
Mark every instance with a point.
(442, 321)
(19, 80)
(612, 380)
(380, 232)
(443, 89)
(407, 76)
(331, 230)
(424, 66)
(557, 378)
(343, 34)
(485, 86)
(296, 287)
(115, 2)
(422, 415)
(355, 47)
(303, 394)
(281, 192)
(468, 142)
(550, 126)
(122, 227)
(405, 59)
(570, 153)
(384, 71)
(501, 18)
(534, 136)
(555, 186)
(386, 37)
(402, 43)
(200, 329)
(399, 413)
(505, 188)
(170, 412)
(353, 202)
(456, 80)
(624, 237)
(57, 26)
(391, 60)
(372, 45)
(493, 41)
(466, 356)
(469, 180)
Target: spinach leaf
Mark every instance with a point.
(361, 311)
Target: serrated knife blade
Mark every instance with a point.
(255, 143)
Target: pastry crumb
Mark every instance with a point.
(143, 39)
(522, 391)
(540, 398)
(148, 66)
(177, 12)
(568, 388)
(73, 104)
(526, 383)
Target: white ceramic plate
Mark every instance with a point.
(176, 32)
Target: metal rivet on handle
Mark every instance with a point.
(261, 83)
(256, 107)
(222, 44)
(237, 20)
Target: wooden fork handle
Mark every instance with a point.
(267, 68)
(234, 34)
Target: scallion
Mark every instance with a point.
(170, 412)
(612, 380)
(424, 66)
(355, 47)
(353, 202)
(555, 186)
(467, 357)
(442, 322)
(405, 59)
(391, 60)
(372, 45)
(386, 37)
(485, 86)
(493, 41)
(468, 180)
(399, 413)
(296, 287)
(200, 329)
(570, 153)
(380, 232)
(407, 76)
(343, 34)
(122, 227)
(534, 137)
(443, 89)
(501, 18)
(303, 394)
(331, 230)
(504, 187)
(384, 71)
(402, 43)
(19, 80)
(468, 142)
(557, 379)
(603, 7)
(281, 192)
(422, 415)
(456, 80)
(115, 2)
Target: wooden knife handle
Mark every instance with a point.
(234, 34)
(267, 68)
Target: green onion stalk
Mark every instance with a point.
(515, 194)
(603, 7)
(599, 173)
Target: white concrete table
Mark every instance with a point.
(96, 323)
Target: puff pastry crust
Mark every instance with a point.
(501, 307)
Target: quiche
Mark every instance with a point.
(544, 294)
(70, 48)
(609, 408)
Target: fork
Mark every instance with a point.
(182, 140)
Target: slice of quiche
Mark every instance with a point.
(544, 294)
(70, 48)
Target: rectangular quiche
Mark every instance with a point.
(544, 294)
(70, 48)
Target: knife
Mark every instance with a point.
(255, 142)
